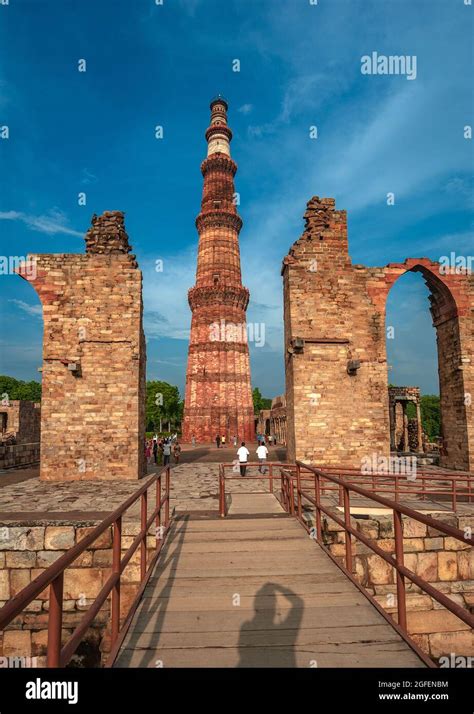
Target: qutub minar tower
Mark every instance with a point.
(218, 396)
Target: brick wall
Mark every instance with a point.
(93, 397)
(18, 455)
(338, 311)
(26, 551)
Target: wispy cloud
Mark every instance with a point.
(245, 108)
(54, 222)
(34, 310)
(87, 177)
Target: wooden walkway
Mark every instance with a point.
(250, 591)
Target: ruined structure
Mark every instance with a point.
(20, 421)
(399, 398)
(218, 396)
(335, 352)
(272, 422)
(93, 393)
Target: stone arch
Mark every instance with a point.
(450, 306)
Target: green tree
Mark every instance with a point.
(431, 414)
(18, 389)
(260, 402)
(163, 405)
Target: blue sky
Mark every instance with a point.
(300, 64)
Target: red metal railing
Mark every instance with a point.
(292, 500)
(269, 466)
(448, 485)
(58, 655)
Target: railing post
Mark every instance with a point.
(341, 494)
(298, 489)
(143, 504)
(271, 478)
(116, 557)
(158, 515)
(347, 523)
(221, 491)
(401, 595)
(167, 502)
(317, 498)
(292, 495)
(55, 621)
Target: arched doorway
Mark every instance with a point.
(450, 312)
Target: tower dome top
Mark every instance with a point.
(219, 99)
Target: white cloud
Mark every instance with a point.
(52, 223)
(245, 108)
(34, 310)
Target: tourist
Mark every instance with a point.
(148, 450)
(223, 440)
(176, 452)
(218, 441)
(155, 450)
(243, 453)
(193, 441)
(235, 441)
(262, 453)
(166, 453)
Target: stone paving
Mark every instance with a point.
(194, 487)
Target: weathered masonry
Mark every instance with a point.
(93, 397)
(218, 397)
(335, 352)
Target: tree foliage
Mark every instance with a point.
(18, 389)
(163, 404)
(260, 402)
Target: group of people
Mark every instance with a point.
(160, 449)
(221, 440)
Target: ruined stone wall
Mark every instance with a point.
(93, 395)
(335, 352)
(446, 563)
(22, 420)
(26, 550)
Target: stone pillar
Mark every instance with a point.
(419, 427)
(393, 423)
(406, 442)
(93, 397)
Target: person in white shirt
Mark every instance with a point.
(262, 453)
(243, 453)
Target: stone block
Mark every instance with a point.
(380, 572)
(17, 643)
(432, 621)
(447, 566)
(82, 582)
(20, 559)
(103, 541)
(22, 538)
(460, 643)
(427, 566)
(59, 537)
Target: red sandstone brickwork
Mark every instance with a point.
(93, 397)
(338, 309)
(218, 397)
(20, 418)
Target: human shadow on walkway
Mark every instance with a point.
(264, 642)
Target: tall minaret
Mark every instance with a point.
(218, 393)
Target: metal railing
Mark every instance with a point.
(445, 485)
(293, 494)
(269, 466)
(58, 655)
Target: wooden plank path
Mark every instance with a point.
(250, 591)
